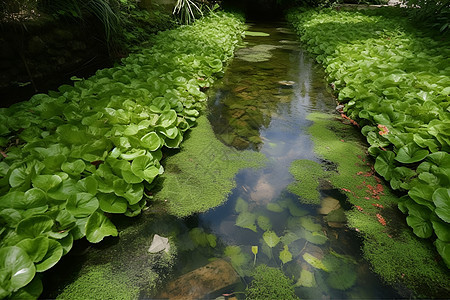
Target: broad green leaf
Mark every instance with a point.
(144, 167)
(52, 256)
(111, 203)
(422, 194)
(73, 168)
(444, 250)
(167, 119)
(441, 198)
(441, 159)
(31, 291)
(134, 193)
(19, 177)
(384, 164)
(151, 141)
(35, 226)
(246, 220)
(66, 243)
(442, 230)
(98, 227)
(82, 205)
(285, 255)
(422, 228)
(411, 153)
(80, 229)
(35, 248)
(47, 183)
(271, 238)
(88, 185)
(16, 267)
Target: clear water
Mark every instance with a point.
(261, 103)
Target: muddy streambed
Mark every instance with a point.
(260, 104)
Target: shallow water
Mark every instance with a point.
(261, 103)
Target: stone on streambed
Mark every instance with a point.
(199, 283)
(327, 205)
(286, 83)
(159, 244)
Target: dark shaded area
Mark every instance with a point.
(257, 10)
(40, 55)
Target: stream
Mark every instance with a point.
(260, 104)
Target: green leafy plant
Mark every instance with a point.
(401, 104)
(94, 149)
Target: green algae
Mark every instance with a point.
(391, 248)
(270, 283)
(306, 174)
(99, 282)
(201, 175)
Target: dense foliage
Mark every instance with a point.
(72, 157)
(432, 13)
(270, 283)
(395, 82)
(124, 23)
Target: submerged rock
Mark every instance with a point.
(159, 244)
(327, 205)
(199, 283)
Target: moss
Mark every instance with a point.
(99, 282)
(270, 283)
(306, 174)
(201, 175)
(388, 244)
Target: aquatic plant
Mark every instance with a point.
(270, 283)
(389, 246)
(401, 104)
(74, 156)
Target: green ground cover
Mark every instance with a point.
(395, 82)
(388, 244)
(201, 175)
(72, 157)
